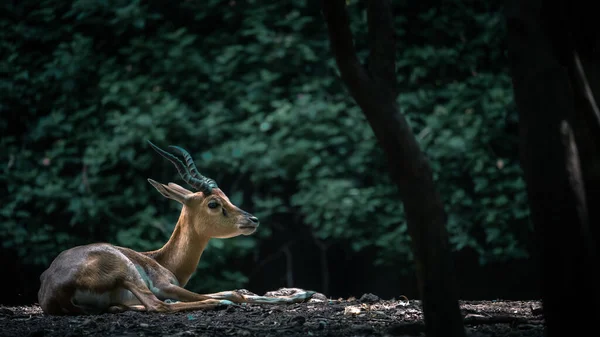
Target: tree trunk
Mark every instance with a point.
(559, 130)
(374, 90)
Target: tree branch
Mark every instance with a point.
(585, 88)
(342, 45)
(373, 89)
(382, 58)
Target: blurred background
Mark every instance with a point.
(251, 90)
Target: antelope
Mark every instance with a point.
(101, 277)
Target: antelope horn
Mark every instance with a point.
(189, 161)
(203, 184)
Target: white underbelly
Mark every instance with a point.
(105, 299)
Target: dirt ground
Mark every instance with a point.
(320, 316)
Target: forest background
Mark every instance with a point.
(250, 88)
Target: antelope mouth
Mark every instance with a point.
(247, 229)
(247, 226)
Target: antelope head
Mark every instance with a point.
(208, 210)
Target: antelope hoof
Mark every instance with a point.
(302, 296)
(308, 294)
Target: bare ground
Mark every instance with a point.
(365, 316)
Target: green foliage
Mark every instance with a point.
(250, 89)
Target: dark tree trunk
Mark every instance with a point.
(374, 90)
(555, 65)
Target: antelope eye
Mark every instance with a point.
(213, 204)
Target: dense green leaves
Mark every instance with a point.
(250, 89)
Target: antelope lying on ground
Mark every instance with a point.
(102, 277)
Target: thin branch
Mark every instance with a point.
(324, 266)
(289, 266)
(576, 183)
(585, 87)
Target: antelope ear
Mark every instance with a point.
(181, 189)
(176, 192)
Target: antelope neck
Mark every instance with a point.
(182, 252)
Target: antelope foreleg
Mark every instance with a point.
(197, 305)
(177, 293)
(298, 297)
(152, 303)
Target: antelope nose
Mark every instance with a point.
(253, 219)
